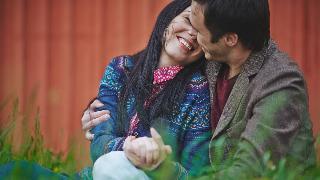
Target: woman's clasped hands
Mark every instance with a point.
(146, 152)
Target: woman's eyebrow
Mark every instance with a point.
(186, 12)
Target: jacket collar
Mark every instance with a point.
(255, 61)
(251, 67)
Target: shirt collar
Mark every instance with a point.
(165, 73)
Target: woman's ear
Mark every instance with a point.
(165, 34)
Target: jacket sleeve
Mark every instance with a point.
(279, 124)
(195, 140)
(106, 137)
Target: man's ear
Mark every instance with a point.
(231, 39)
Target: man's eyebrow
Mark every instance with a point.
(186, 11)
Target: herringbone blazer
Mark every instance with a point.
(267, 110)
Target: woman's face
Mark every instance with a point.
(180, 43)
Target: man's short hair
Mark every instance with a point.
(249, 19)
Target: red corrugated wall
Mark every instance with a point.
(59, 49)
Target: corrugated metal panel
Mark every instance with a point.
(61, 47)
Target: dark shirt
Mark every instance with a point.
(223, 90)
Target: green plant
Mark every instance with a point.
(32, 147)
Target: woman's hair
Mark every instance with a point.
(140, 78)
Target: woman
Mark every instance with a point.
(175, 100)
(163, 87)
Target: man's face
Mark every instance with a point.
(213, 51)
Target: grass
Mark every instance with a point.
(32, 146)
(32, 149)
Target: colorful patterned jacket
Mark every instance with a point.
(189, 128)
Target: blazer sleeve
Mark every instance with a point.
(106, 137)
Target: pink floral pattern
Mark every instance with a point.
(165, 74)
(160, 77)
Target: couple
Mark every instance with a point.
(245, 91)
(209, 72)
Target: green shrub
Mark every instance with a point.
(32, 147)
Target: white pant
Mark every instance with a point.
(116, 166)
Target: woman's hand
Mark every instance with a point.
(90, 118)
(146, 153)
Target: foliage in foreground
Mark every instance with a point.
(285, 169)
(32, 149)
(32, 145)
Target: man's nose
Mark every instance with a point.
(193, 33)
(199, 40)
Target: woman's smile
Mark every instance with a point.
(185, 44)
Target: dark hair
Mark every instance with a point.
(139, 80)
(249, 19)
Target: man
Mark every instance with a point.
(258, 95)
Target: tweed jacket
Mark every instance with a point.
(267, 110)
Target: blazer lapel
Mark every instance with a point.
(251, 67)
(212, 71)
(238, 90)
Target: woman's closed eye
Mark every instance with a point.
(187, 19)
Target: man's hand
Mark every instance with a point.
(90, 118)
(146, 153)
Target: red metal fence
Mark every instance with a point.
(60, 49)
